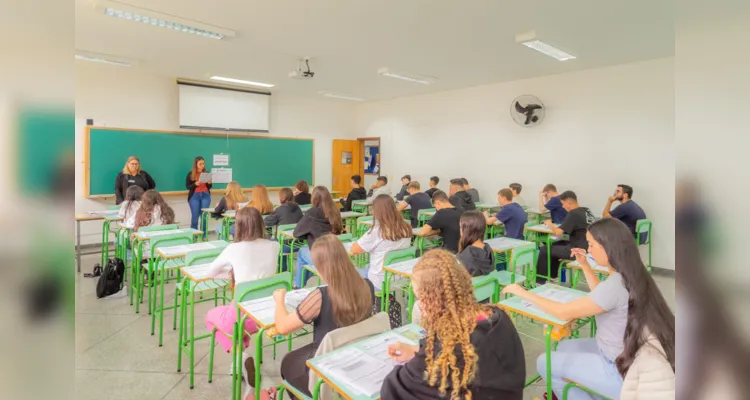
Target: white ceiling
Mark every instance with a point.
(463, 43)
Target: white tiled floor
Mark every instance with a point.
(117, 358)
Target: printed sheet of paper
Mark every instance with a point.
(221, 160)
(405, 267)
(295, 297)
(262, 309)
(378, 347)
(221, 175)
(360, 371)
(172, 250)
(554, 294)
(205, 177)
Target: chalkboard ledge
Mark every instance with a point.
(185, 192)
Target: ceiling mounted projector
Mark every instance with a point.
(300, 72)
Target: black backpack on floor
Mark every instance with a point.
(110, 282)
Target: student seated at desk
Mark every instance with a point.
(470, 190)
(130, 206)
(346, 300)
(516, 189)
(417, 200)
(404, 187)
(260, 201)
(322, 218)
(433, 186)
(549, 200)
(233, 199)
(249, 258)
(629, 212)
(631, 314)
(473, 253)
(470, 350)
(357, 193)
(459, 198)
(446, 220)
(153, 211)
(389, 232)
(302, 193)
(577, 220)
(511, 214)
(379, 187)
(287, 213)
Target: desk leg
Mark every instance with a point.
(410, 301)
(548, 356)
(78, 245)
(384, 306)
(258, 359)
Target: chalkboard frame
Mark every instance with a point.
(87, 162)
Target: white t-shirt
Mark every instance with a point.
(250, 261)
(520, 201)
(374, 244)
(129, 218)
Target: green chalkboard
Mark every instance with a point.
(168, 156)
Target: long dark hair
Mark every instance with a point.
(150, 200)
(473, 226)
(133, 194)
(647, 308)
(322, 199)
(390, 222)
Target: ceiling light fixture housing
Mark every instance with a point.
(149, 17)
(241, 81)
(104, 59)
(342, 96)
(530, 40)
(406, 76)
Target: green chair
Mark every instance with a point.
(243, 292)
(422, 218)
(361, 228)
(285, 242)
(393, 257)
(186, 294)
(524, 257)
(157, 269)
(136, 286)
(485, 288)
(293, 391)
(572, 384)
(643, 226)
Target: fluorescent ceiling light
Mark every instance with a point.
(84, 55)
(101, 60)
(341, 96)
(241, 81)
(153, 18)
(416, 78)
(529, 40)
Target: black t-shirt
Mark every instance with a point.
(302, 198)
(447, 221)
(418, 201)
(575, 225)
(431, 191)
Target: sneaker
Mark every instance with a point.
(554, 397)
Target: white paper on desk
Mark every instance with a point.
(205, 177)
(221, 160)
(295, 297)
(360, 371)
(201, 246)
(221, 175)
(378, 346)
(174, 250)
(198, 271)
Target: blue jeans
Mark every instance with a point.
(301, 275)
(580, 360)
(197, 201)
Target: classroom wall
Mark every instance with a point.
(134, 98)
(602, 127)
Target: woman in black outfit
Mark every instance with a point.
(132, 175)
(347, 300)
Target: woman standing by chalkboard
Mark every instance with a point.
(132, 175)
(200, 192)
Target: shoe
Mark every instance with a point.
(250, 371)
(554, 397)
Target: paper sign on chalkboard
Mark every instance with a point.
(221, 160)
(221, 175)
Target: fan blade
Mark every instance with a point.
(520, 109)
(528, 118)
(532, 107)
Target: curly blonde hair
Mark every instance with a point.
(446, 296)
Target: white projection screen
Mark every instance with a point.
(204, 107)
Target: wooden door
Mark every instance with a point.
(347, 161)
